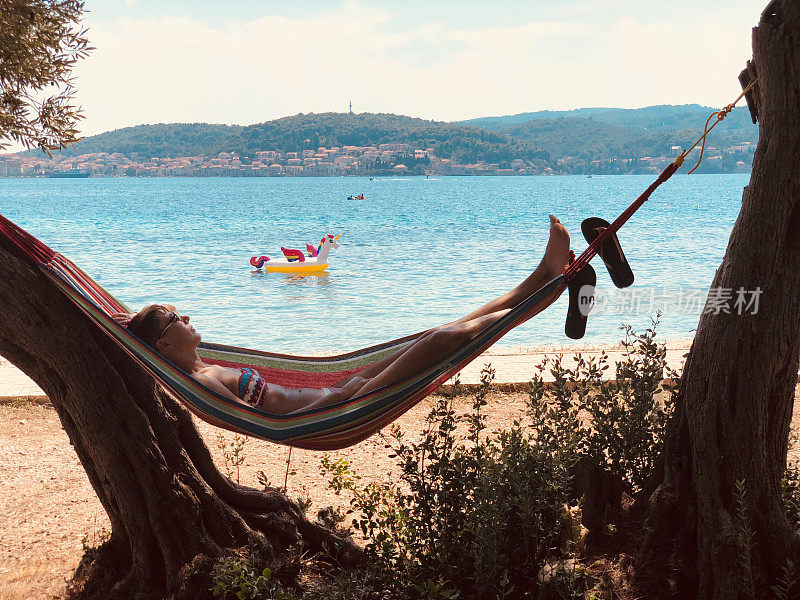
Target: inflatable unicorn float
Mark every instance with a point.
(294, 261)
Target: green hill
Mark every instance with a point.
(605, 134)
(590, 139)
(584, 138)
(545, 137)
(160, 141)
(310, 131)
(665, 116)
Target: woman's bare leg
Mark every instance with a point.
(555, 260)
(429, 350)
(422, 354)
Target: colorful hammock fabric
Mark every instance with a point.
(325, 428)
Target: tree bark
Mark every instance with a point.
(737, 392)
(172, 512)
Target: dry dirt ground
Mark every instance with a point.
(48, 510)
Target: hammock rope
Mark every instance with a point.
(720, 114)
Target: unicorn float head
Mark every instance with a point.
(295, 261)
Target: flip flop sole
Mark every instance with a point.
(611, 252)
(581, 300)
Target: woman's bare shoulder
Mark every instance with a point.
(216, 371)
(220, 379)
(223, 374)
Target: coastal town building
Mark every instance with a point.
(392, 158)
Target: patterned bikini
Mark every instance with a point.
(253, 388)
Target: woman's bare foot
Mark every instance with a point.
(557, 253)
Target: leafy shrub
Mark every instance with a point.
(91, 542)
(472, 517)
(790, 580)
(489, 515)
(233, 455)
(786, 584)
(618, 423)
(239, 578)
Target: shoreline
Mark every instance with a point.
(375, 177)
(577, 346)
(514, 365)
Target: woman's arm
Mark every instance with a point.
(122, 318)
(282, 401)
(218, 386)
(297, 403)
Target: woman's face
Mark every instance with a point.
(177, 336)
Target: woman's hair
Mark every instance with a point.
(148, 324)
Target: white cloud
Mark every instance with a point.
(174, 69)
(671, 63)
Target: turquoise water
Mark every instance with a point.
(418, 253)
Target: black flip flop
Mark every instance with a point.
(610, 252)
(581, 300)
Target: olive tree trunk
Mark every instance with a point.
(172, 512)
(734, 409)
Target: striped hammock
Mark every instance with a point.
(324, 428)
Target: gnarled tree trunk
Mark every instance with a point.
(172, 513)
(735, 406)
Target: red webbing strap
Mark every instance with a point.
(32, 248)
(590, 252)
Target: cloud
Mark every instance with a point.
(184, 69)
(678, 62)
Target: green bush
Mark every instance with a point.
(472, 517)
(618, 423)
(479, 514)
(239, 578)
(789, 582)
(786, 584)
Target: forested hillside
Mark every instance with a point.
(310, 131)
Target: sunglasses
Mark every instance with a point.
(175, 317)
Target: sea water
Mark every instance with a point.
(415, 254)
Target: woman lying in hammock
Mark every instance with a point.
(170, 333)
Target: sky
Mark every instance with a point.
(248, 61)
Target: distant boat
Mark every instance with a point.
(69, 174)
